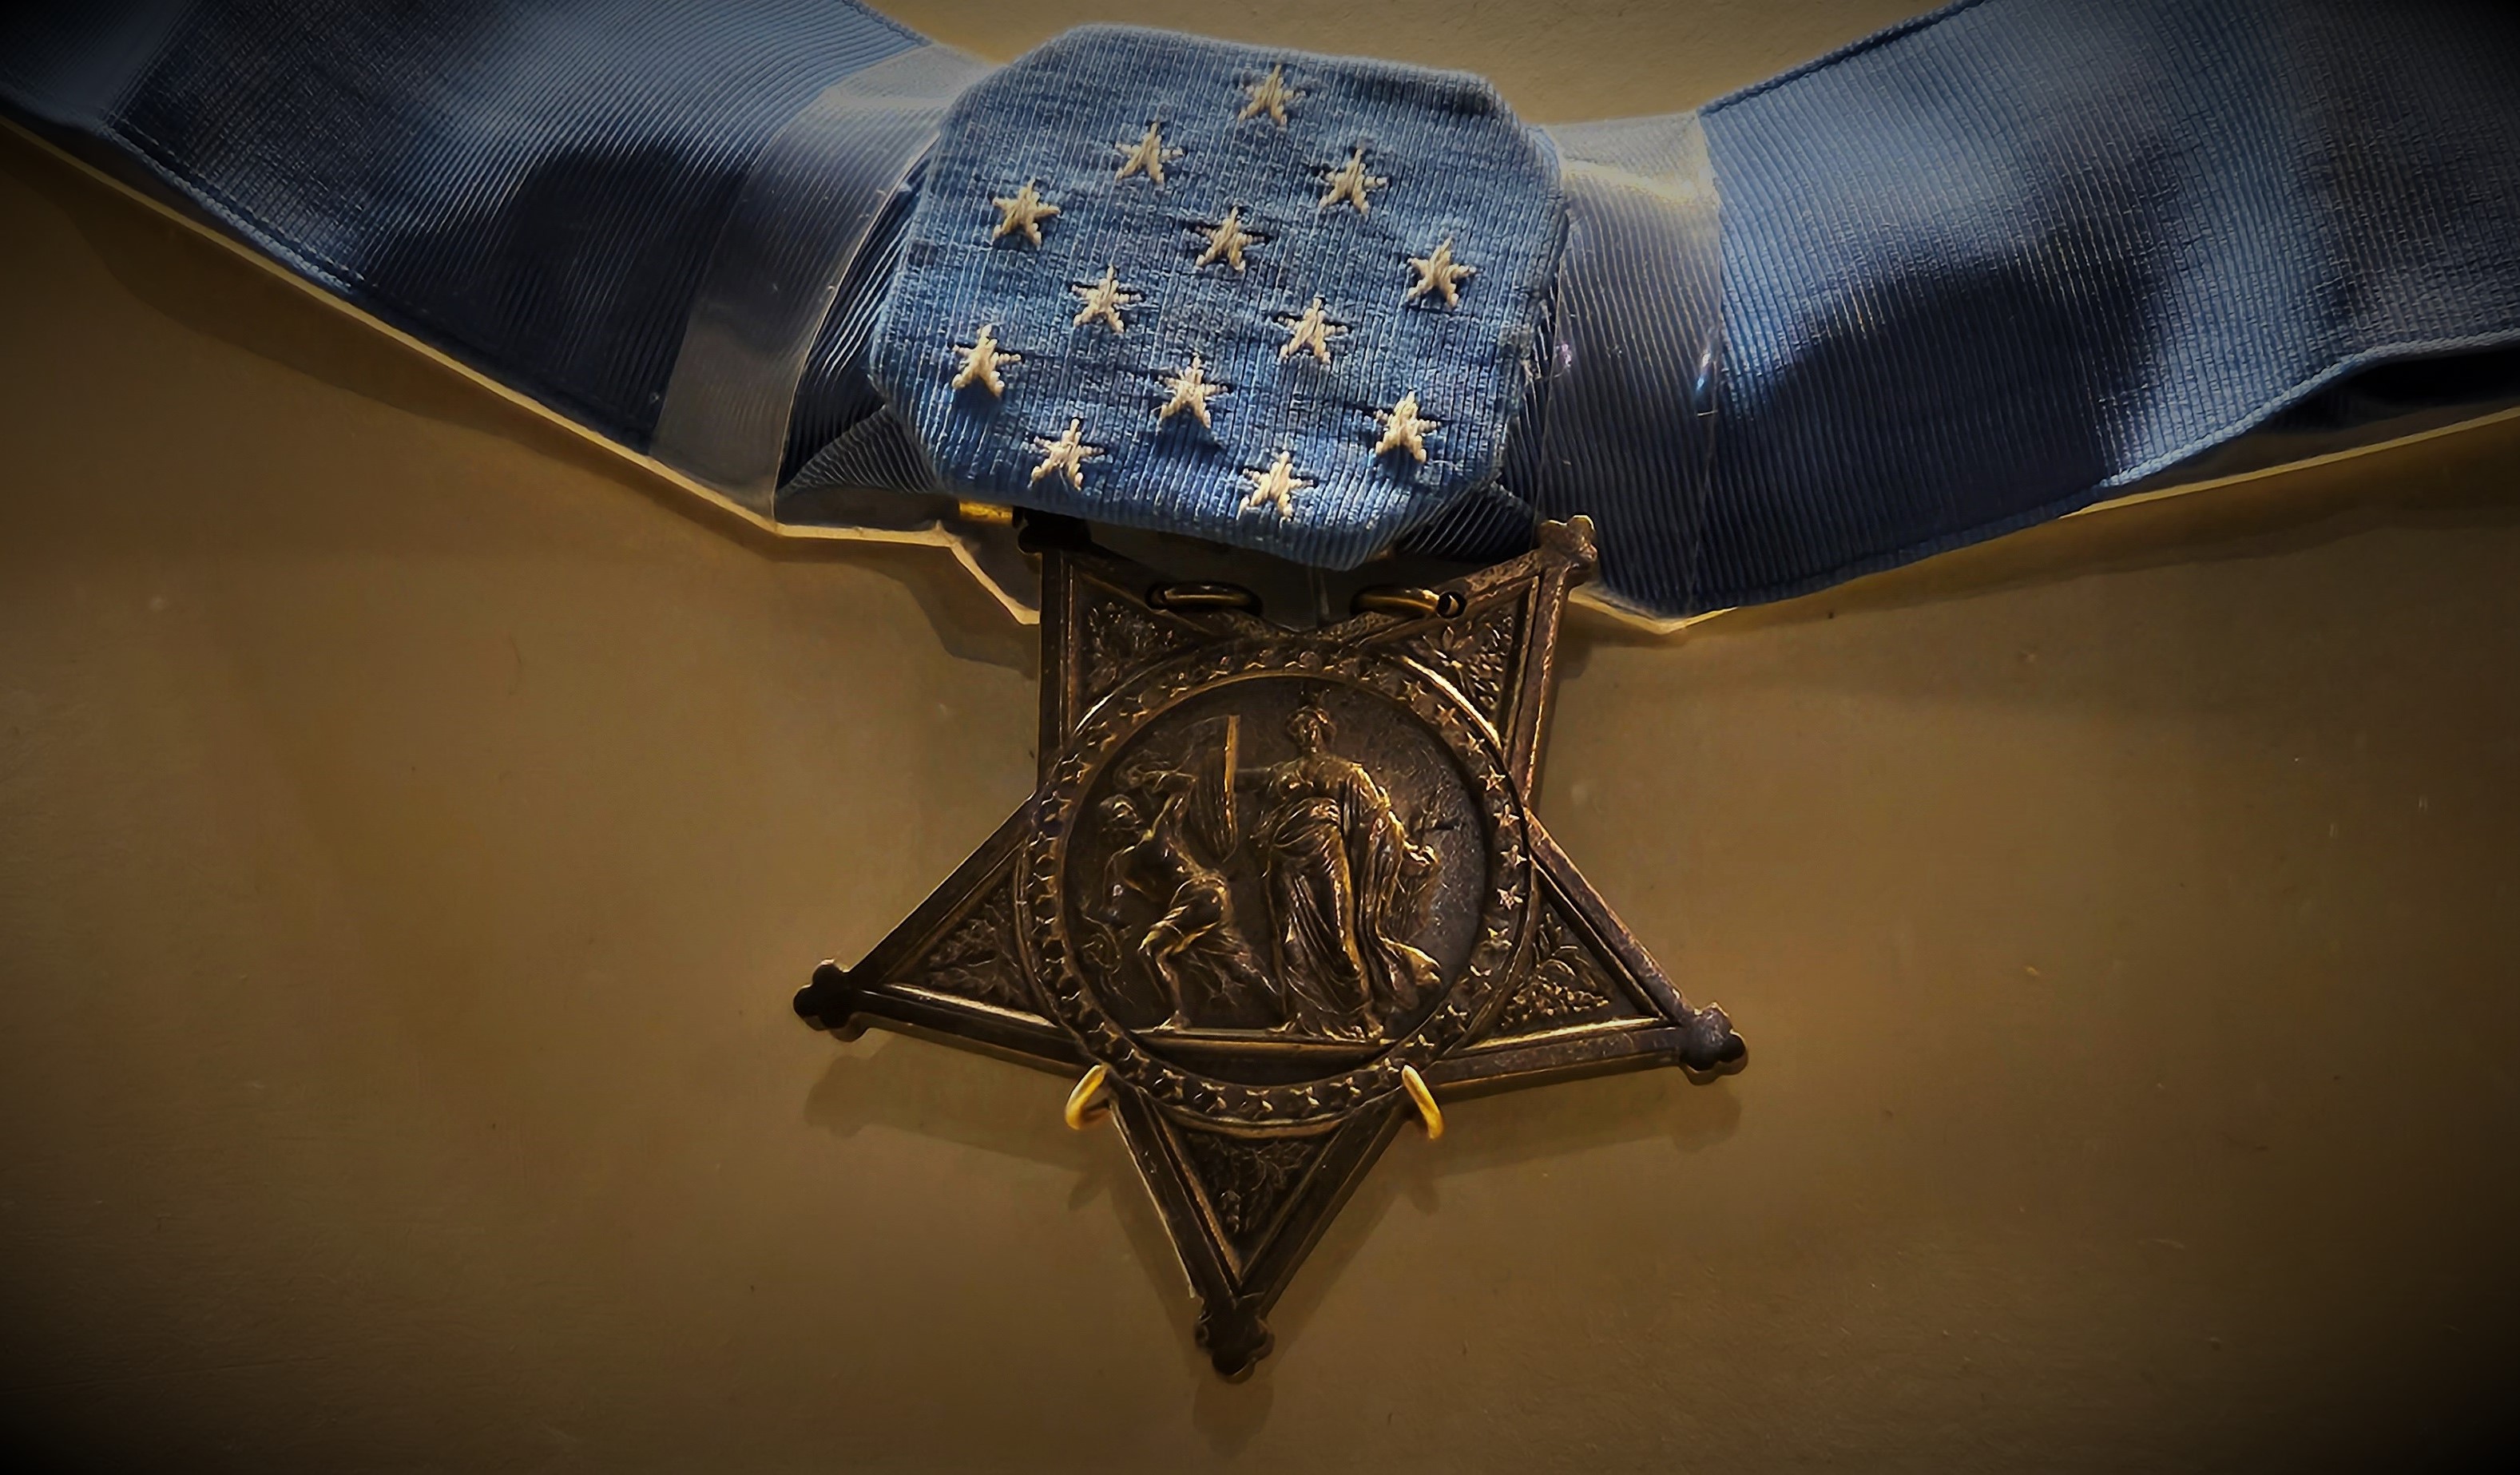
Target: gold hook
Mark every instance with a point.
(1085, 1104)
(1424, 1100)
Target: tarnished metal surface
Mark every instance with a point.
(1280, 890)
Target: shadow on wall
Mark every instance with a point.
(2459, 480)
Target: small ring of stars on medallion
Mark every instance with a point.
(1024, 210)
(1147, 156)
(1275, 487)
(1226, 242)
(982, 361)
(1066, 454)
(1309, 330)
(1191, 391)
(1270, 95)
(1402, 428)
(1438, 273)
(1349, 182)
(1104, 300)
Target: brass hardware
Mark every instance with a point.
(989, 512)
(1202, 597)
(1085, 1104)
(1403, 599)
(1424, 1100)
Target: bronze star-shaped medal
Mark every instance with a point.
(1279, 892)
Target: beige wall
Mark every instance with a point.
(411, 825)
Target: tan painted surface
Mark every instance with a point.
(412, 826)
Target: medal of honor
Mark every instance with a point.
(1279, 894)
(1143, 327)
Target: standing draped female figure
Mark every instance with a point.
(1347, 887)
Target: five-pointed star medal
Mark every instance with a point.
(1279, 894)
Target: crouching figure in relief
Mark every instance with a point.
(1194, 950)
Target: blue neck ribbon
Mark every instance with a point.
(1974, 272)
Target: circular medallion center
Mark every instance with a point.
(1275, 878)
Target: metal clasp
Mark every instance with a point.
(1196, 596)
(1086, 1104)
(1423, 1098)
(1407, 598)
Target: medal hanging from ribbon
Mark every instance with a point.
(1280, 893)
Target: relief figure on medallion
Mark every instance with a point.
(1347, 888)
(1197, 957)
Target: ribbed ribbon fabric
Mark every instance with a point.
(534, 186)
(812, 201)
(1976, 271)
(1981, 270)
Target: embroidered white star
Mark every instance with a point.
(982, 361)
(1275, 487)
(1309, 330)
(1191, 391)
(1438, 272)
(1269, 94)
(1349, 182)
(1104, 299)
(1066, 454)
(1226, 242)
(1147, 156)
(1403, 430)
(1024, 210)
